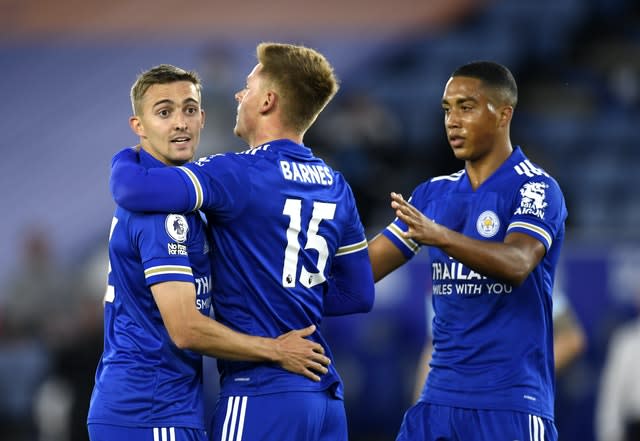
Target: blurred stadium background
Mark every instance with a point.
(66, 72)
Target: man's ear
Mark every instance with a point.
(136, 125)
(269, 102)
(506, 112)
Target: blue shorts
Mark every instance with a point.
(430, 422)
(108, 432)
(294, 416)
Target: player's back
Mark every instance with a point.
(273, 255)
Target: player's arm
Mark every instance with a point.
(569, 340)
(423, 370)
(511, 261)
(385, 257)
(189, 329)
(136, 188)
(351, 288)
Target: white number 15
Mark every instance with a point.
(293, 209)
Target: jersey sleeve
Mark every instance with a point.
(161, 240)
(539, 210)
(217, 184)
(351, 285)
(394, 230)
(138, 189)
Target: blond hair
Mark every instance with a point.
(302, 76)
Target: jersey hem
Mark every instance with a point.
(510, 408)
(109, 422)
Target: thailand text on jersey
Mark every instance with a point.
(143, 379)
(492, 341)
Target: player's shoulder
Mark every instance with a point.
(125, 217)
(532, 181)
(445, 180)
(205, 161)
(170, 222)
(440, 184)
(218, 166)
(523, 170)
(243, 156)
(436, 187)
(137, 217)
(248, 155)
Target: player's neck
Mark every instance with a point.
(272, 133)
(164, 159)
(479, 170)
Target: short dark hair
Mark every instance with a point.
(493, 75)
(161, 74)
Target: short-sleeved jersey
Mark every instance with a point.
(493, 342)
(278, 217)
(143, 379)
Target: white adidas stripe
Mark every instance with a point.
(536, 428)
(528, 169)
(243, 409)
(233, 426)
(160, 434)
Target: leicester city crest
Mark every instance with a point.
(488, 224)
(176, 227)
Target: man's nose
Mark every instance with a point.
(451, 119)
(180, 122)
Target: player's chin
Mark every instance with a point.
(183, 154)
(460, 153)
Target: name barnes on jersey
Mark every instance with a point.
(463, 281)
(291, 170)
(306, 173)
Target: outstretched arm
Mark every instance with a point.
(351, 287)
(385, 257)
(189, 329)
(511, 261)
(153, 190)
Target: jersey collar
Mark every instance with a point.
(289, 147)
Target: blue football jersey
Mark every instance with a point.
(278, 217)
(143, 379)
(493, 342)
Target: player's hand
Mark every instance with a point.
(300, 355)
(420, 229)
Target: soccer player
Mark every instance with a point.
(148, 383)
(290, 246)
(494, 232)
